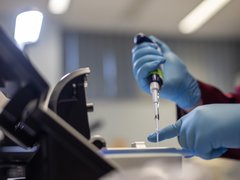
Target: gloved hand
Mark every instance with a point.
(178, 84)
(207, 131)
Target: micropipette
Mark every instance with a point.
(156, 80)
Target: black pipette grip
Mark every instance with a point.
(141, 38)
(157, 75)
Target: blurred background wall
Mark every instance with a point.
(99, 35)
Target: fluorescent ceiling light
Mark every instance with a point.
(200, 15)
(27, 28)
(58, 6)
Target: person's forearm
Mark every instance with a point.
(211, 94)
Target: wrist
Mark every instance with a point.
(199, 103)
(194, 97)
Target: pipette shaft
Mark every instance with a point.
(155, 80)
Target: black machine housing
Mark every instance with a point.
(44, 143)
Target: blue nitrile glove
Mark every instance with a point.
(207, 130)
(178, 84)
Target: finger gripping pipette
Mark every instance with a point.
(155, 79)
